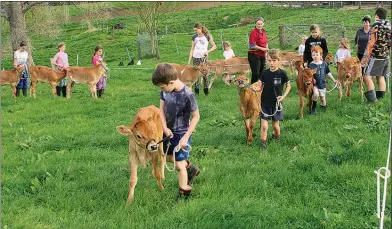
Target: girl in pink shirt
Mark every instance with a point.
(97, 59)
(60, 60)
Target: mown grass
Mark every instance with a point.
(65, 166)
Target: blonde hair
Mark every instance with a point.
(226, 44)
(274, 54)
(345, 42)
(316, 28)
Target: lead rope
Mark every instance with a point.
(387, 174)
(176, 149)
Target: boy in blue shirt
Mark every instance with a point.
(177, 106)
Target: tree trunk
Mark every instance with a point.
(18, 29)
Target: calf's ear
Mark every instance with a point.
(124, 130)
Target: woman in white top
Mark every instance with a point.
(344, 50)
(199, 52)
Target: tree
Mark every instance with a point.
(15, 12)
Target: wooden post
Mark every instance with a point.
(221, 37)
(178, 53)
(282, 38)
(359, 4)
(77, 59)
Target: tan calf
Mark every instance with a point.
(189, 74)
(250, 104)
(235, 65)
(12, 78)
(304, 85)
(46, 75)
(349, 71)
(144, 132)
(288, 59)
(85, 75)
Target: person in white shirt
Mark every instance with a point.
(301, 47)
(199, 52)
(228, 53)
(344, 50)
(20, 58)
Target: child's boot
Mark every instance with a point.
(263, 144)
(24, 91)
(102, 91)
(205, 91)
(182, 193)
(323, 108)
(193, 171)
(196, 91)
(17, 92)
(371, 96)
(314, 104)
(380, 94)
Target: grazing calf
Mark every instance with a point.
(227, 67)
(144, 133)
(85, 75)
(348, 71)
(304, 85)
(12, 77)
(288, 59)
(250, 104)
(189, 74)
(46, 75)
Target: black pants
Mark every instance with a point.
(360, 56)
(24, 91)
(257, 65)
(62, 89)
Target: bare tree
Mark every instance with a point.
(15, 12)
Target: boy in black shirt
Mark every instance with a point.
(272, 80)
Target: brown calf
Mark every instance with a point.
(288, 59)
(235, 65)
(144, 132)
(46, 75)
(85, 75)
(189, 74)
(250, 104)
(304, 85)
(12, 77)
(348, 71)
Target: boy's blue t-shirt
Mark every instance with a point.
(178, 108)
(320, 75)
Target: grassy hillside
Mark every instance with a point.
(65, 166)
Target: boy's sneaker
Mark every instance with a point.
(263, 145)
(193, 171)
(275, 138)
(183, 194)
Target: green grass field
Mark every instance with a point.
(64, 165)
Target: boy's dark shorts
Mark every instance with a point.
(180, 155)
(269, 111)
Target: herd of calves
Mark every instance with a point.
(348, 71)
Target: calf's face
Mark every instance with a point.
(241, 81)
(142, 133)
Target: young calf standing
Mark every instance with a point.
(144, 132)
(250, 104)
(85, 75)
(12, 78)
(46, 75)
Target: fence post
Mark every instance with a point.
(77, 59)
(178, 53)
(221, 37)
(282, 38)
